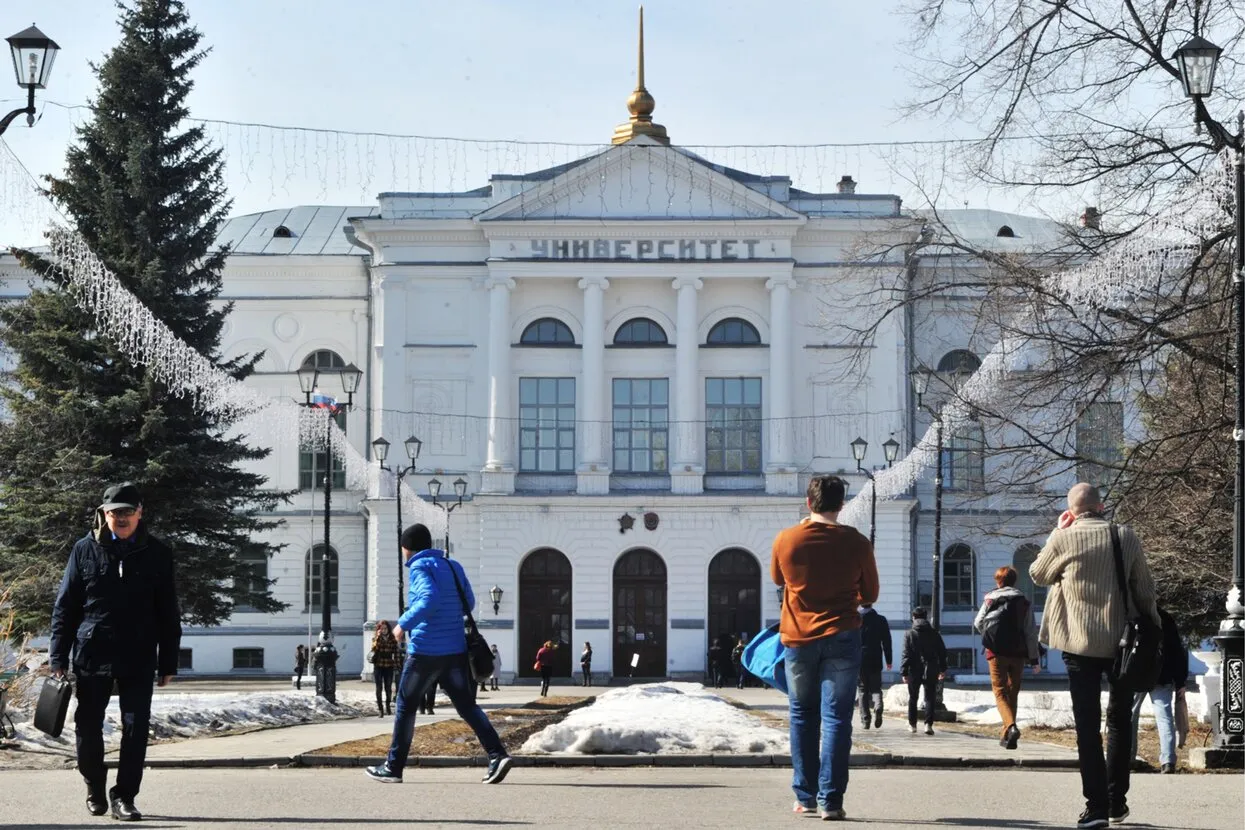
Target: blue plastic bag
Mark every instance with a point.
(764, 658)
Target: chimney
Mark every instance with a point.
(846, 185)
(1091, 219)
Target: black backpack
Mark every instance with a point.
(1001, 630)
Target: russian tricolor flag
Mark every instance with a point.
(323, 401)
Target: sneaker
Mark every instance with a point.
(497, 769)
(866, 723)
(929, 729)
(1167, 769)
(1118, 817)
(803, 810)
(1091, 819)
(382, 773)
(912, 728)
(826, 814)
(877, 720)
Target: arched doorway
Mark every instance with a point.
(734, 595)
(640, 614)
(544, 610)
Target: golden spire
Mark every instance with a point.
(640, 105)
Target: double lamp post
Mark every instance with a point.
(890, 449)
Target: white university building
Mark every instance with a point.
(635, 362)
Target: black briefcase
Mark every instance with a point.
(52, 706)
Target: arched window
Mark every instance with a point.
(1006, 232)
(640, 332)
(733, 332)
(957, 578)
(547, 332)
(323, 359)
(964, 459)
(1025, 555)
(255, 583)
(313, 574)
(282, 232)
(959, 361)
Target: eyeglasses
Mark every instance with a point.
(122, 512)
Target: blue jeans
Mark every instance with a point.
(821, 684)
(421, 673)
(1163, 699)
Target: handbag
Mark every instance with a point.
(1140, 655)
(52, 706)
(479, 655)
(764, 658)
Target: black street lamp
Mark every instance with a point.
(920, 384)
(380, 449)
(434, 490)
(1197, 60)
(891, 450)
(325, 655)
(33, 56)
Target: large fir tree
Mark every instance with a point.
(146, 192)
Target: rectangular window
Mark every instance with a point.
(185, 659)
(312, 465)
(256, 583)
(1099, 442)
(961, 659)
(964, 460)
(248, 658)
(547, 425)
(733, 425)
(641, 425)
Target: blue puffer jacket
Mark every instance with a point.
(434, 613)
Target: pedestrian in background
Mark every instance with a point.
(386, 658)
(922, 664)
(496, 676)
(300, 665)
(585, 663)
(1083, 617)
(436, 652)
(1009, 636)
(875, 650)
(827, 571)
(544, 664)
(117, 610)
(1173, 675)
(737, 663)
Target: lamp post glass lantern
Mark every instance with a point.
(859, 447)
(380, 451)
(460, 492)
(1198, 59)
(324, 655)
(494, 595)
(33, 55)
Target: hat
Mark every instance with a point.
(124, 494)
(416, 538)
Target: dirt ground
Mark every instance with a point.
(454, 737)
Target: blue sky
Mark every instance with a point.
(819, 71)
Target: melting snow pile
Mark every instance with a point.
(658, 717)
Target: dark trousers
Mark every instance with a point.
(1104, 781)
(299, 671)
(134, 696)
(870, 688)
(383, 678)
(915, 685)
(546, 674)
(422, 673)
(428, 701)
(587, 670)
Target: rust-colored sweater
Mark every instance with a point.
(829, 570)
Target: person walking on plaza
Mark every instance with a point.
(117, 610)
(1009, 636)
(737, 663)
(922, 664)
(717, 662)
(300, 665)
(386, 658)
(827, 571)
(875, 649)
(544, 664)
(1173, 675)
(1083, 618)
(496, 676)
(585, 663)
(436, 653)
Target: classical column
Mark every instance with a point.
(594, 462)
(687, 470)
(780, 470)
(500, 414)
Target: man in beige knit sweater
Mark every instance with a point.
(1084, 618)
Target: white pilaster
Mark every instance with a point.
(390, 365)
(498, 474)
(687, 471)
(593, 470)
(781, 477)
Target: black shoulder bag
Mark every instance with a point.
(1140, 655)
(479, 655)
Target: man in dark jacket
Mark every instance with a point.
(923, 664)
(117, 610)
(875, 649)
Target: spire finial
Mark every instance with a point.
(640, 105)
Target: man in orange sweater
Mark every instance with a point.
(828, 571)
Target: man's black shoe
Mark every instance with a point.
(123, 809)
(1092, 820)
(96, 801)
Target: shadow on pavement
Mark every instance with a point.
(544, 784)
(292, 821)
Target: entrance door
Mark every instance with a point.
(734, 596)
(640, 614)
(544, 610)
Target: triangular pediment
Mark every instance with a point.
(641, 179)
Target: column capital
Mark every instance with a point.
(591, 282)
(685, 282)
(781, 282)
(507, 283)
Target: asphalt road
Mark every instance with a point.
(582, 798)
